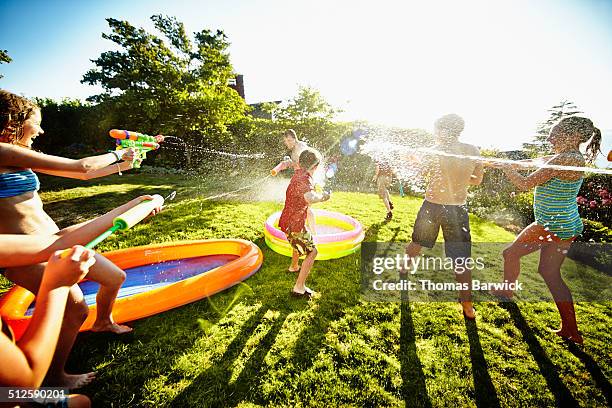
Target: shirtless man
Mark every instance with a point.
(295, 147)
(445, 201)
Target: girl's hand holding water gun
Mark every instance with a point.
(68, 270)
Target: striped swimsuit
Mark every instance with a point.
(17, 183)
(555, 207)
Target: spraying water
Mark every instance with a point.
(386, 149)
(180, 142)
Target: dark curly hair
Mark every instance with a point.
(587, 131)
(14, 111)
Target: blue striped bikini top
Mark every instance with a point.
(17, 183)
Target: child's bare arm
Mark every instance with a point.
(26, 364)
(105, 171)
(313, 197)
(542, 175)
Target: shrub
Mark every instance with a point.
(595, 231)
(595, 198)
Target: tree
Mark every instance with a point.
(171, 86)
(71, 127)
(540, 145)
(311, 116)
(4, 58)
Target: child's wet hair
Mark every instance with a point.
(14, 111)
(586, 130)
(290, 133)
(308, 159)
(452, 122)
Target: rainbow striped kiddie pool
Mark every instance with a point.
(336, 235)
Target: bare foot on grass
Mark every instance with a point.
(71, 381)
(111, 328)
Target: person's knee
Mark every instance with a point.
(413, 249)
(79, 401)
(116, 278)
(547, 272)
(510, 254)
(76, 308)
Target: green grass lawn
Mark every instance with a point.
(253, 345)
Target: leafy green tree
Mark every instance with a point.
(173, 85)
(311, 116)
(4, 58)
(540, 146)
(71, 128)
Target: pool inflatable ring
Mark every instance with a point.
(159, 277)
(336, 235)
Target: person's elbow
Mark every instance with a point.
(84, 165)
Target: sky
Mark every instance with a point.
(499, 64)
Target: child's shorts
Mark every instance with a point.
(382, 182)
(455, 224)
(301, 241)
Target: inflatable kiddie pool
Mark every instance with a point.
(159, 277)
(336, 235)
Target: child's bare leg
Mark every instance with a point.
(75, 314)
(527, 242)
(300, 283)
(551, 259)
(110, 277)
(383, 193)
(412, 250)
(295, 261)
(465, 295)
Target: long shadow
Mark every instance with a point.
(312, 336)
(414, 389)
(371, 233)
(177, 327)
(52, 183)
(563, 396)
(212, 388)
(70, 211)
(485, 393)
(595, 371)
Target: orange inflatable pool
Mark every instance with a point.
(159, 277)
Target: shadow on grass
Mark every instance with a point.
(52, 183)
(595, 371)
(563, 396)
(371, 234)
(153, 347)
(414, 389)
(212, 387)
(485, 393)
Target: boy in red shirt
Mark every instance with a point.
(293, 220)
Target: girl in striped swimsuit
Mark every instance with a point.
(557, 222)
(22, 212)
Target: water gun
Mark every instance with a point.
(285, 164)
(128, 219)
(138, 141)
